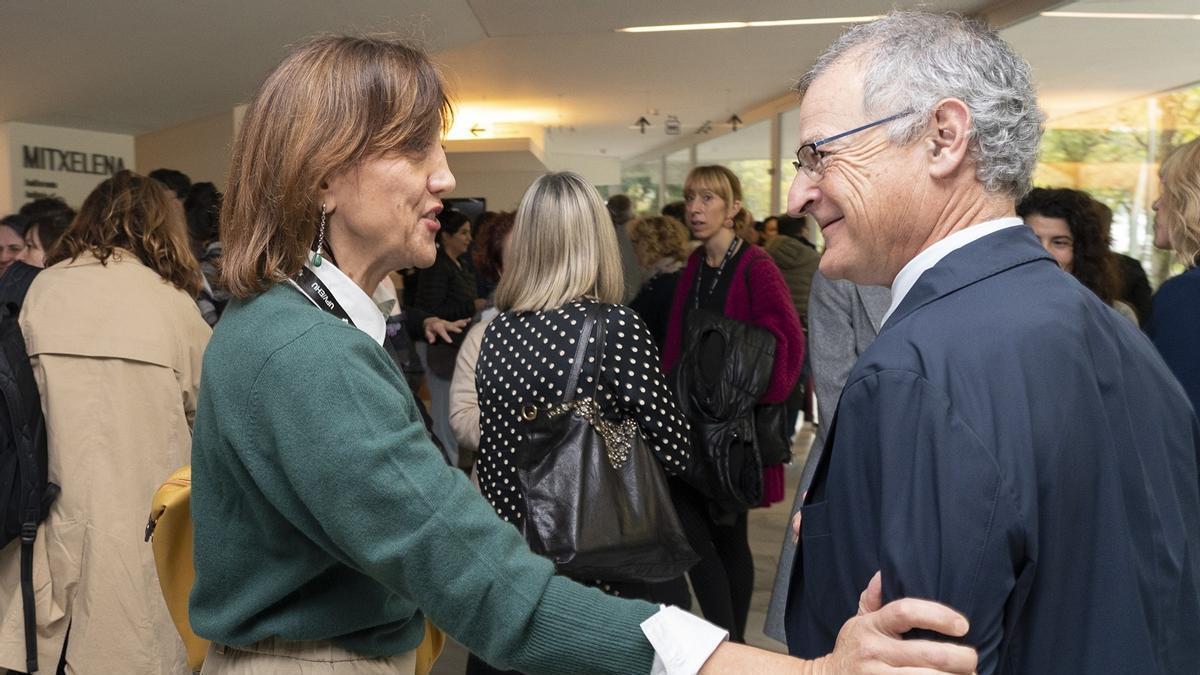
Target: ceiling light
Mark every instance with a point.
(1119, 15)
(683, 26)
(746, 24)
(812, 22)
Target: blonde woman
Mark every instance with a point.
(561, 260)
(660, 243)
(1174, 324)
(733, 278)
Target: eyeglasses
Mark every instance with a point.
(812, 160)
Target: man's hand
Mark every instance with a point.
(796, 521)
(436, 327)
(871, 642)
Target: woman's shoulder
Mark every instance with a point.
(1186, 284)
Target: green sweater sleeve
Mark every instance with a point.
(342, 451)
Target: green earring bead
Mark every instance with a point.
(317, 259)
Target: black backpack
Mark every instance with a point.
(25, 493)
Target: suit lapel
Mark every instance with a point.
(875, 300)
(982, 258)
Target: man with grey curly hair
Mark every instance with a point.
(1009, 445)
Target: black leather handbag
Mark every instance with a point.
(596, 499)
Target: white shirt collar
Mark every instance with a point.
(908, 276)
(362, 309)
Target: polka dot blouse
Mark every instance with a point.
(527, 358)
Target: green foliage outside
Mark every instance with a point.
(1113, 154)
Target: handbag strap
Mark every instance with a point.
(589, 320)
(596, 312)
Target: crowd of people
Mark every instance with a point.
(1003, 456)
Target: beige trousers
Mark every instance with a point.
(279, 657)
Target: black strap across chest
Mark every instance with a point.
(307, 283)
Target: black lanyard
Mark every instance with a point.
(308, 283)
(733, 247)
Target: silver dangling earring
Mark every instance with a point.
(317, 259)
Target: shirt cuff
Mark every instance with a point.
(682, 641)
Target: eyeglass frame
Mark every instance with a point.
(818, 171)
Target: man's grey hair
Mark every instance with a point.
(912, 60)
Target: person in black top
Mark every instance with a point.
(660, 243)
(1133, 286)
(447, 290)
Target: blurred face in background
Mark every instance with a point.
(770, 229)
(35, 253)
(1055, 235)
(1162, 239)
(457, 244)
(12, 247)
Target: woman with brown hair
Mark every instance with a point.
(326, 523)
(115, 341)
(1073, 228)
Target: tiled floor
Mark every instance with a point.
(767, 527)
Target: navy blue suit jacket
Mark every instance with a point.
(1014, 448)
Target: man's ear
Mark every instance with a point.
(947, 143)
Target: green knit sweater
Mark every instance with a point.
(323, 512)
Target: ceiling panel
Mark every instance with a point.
(141, 65)
(501, 18)
(1084, 63)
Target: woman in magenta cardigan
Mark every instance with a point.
(741, 282)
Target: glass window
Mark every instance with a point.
(1113, 154)
(789, 141)
(678, 165)
(640, 182)
(747, 153)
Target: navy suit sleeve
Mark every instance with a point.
(938, 519)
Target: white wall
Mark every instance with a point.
(502, 189)
(502, 177)
(597, 169)
(200, 148)
(43, 161)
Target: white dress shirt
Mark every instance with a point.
(682, 641)
(908, 276)
(361, 308)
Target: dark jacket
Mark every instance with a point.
(718, 380)
(1012, 447)
(446, 290)
(1174, 326)
(15, 283)
(1134, 287)
(653, 304)
(798, 263)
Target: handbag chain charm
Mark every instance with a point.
(618, 438)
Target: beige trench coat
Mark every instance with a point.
(116, 352)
